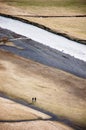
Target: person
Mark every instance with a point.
(35, 99)
(32, 99)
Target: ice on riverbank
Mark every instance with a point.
(52, 40)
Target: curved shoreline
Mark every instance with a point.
(72, 38)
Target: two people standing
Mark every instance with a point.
(34, 100)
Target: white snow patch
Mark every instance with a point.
(47, 38)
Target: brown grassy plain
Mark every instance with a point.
(75, 27)
(34, 125)
(56, 91)
(10, 110)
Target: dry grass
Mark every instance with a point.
(34, 10)
(72, 26)
(9, 110)
(67, 4)
(34, 125)
(56, 91)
